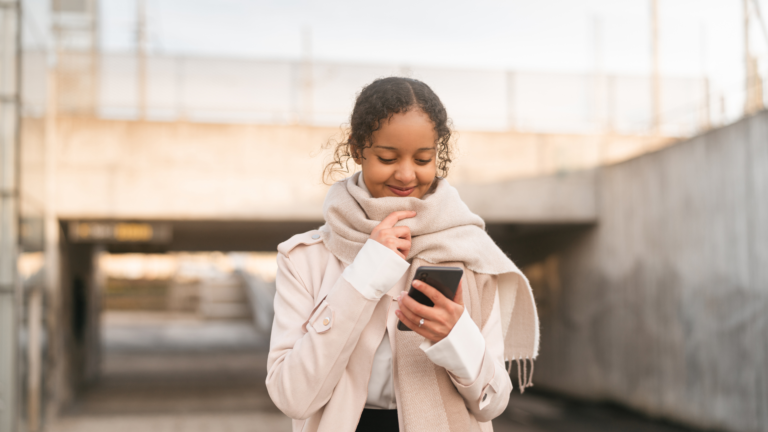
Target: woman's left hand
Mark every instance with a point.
(438, 320)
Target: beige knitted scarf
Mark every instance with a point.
(444, 230)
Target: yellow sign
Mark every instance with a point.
(133, 232)
(97, 231)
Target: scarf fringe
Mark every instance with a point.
(524, 378)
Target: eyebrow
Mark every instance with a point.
(393, 148)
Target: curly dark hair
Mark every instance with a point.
(375, 104)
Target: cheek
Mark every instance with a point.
(426, 173)
(376, 172)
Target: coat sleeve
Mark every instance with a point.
(488, 395)
(311, 341)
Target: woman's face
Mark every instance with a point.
(402, 160)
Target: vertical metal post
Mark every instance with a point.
(179, 88)
(141, 59)
(759, 16)
(511, 101)
(53, 313)
(10, 14)
(95, 59)
(723, 115)
(610, 98)
(599, 76)
(747, 62)
(706, 116)
(759, 83)
(706, 119)
(307, 83)
(753, 102)
(655, 78)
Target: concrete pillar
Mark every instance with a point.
(77, 332)
(10, 12)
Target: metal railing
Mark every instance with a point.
(231, 90)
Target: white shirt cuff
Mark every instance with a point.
(375, 270)
(461, 352)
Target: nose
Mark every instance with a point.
(405, 173)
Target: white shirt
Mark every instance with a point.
(375, 270)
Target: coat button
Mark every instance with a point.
(315, 236)
(326, 321)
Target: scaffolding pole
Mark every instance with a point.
(141, 58)
(747, 62)
(759, 16)
(10, 14)
(706, 115)
(753, 101)
(52, 313)
(307, 81)
(655, 76)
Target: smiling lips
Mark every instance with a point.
(401, 191)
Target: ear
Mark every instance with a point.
(356, 153)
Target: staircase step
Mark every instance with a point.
(225, 310)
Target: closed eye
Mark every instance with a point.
(424, 161)
(386, 160)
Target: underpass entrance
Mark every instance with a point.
(181, 337)
(167, 322)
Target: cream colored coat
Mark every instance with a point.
(325, 335)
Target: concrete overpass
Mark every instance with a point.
(248, 187)
(107, 169)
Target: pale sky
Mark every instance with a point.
(697, 37)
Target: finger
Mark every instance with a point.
(405, 252)
(408, 323)
(397, 243)
(422, 331)
(395, 217)
(436, 296)
(459, 297)
(404, 247)
(418, 309)
(402, 232)
(408, 312)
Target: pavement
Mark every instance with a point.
(181, 374)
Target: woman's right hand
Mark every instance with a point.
(396, 238)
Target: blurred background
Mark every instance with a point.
(154, 153)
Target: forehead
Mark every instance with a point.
(412, 130)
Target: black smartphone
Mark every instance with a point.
(444, 279)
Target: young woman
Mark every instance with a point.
(337, 361)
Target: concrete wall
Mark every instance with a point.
(663, 306)
(560, 198)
